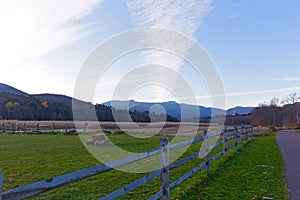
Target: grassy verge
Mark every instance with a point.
(255, 171)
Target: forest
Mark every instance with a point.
(27, 107)
(276, 112)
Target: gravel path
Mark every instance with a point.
(289, 144)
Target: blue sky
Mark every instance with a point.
(254, 44)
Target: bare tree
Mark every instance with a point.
(268, 113)
(292, 99)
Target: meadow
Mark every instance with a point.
(255, 170)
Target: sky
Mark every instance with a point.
(253, 44)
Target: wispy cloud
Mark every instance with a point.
(32, 28)
(184, 16)
(232, 17)
(274, 91)
(293, 78)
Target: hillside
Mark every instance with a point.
(54, 97)
(239, 110)
(11, 90)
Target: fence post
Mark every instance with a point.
(225, 144)
(1, 182)
(236, 142)
(85, 127)
(3, 127)
(249, 131)
(37, 127)
(12, 128)
(206, 147)
(241, 133)
(164, 165)
(66, 127)
(24, 128)
(53, 127)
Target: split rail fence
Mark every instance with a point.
(238, 134)
(41, 128)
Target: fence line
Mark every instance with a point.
(41, 128)
(246, 132)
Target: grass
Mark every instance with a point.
(28, 158)
(255, 171)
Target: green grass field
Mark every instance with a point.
(255, 170)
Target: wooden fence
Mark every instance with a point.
(42, 128)
(238, 134)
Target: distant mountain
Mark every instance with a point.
(174, 109)
(171, 108)
(239, 110)
(11, 90)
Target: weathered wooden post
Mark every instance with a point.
(241, 133)
(236, 132)
(12, 128)
(85, 127)
(66, 127)
(206, 147)
(37, 127)
(24, 128)
(225, 144)
(248, 131)
(3, 127)
(1, 181)
(53, 127)
(164, 165)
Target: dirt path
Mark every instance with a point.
(289, 144)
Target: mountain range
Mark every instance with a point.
(179, 110)
(174, 109)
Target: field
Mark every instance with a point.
(28, 158)
(254, 172)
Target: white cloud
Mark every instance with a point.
(293, 78)
(232, 17)
(184, 17)
(32, 28)
(281, 91)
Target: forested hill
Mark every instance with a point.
(22, 106)
(27, 107)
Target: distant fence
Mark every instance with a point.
(238, 134)
(42, 128)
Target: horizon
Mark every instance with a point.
(280, 101)
(254, 50)
(138, 101)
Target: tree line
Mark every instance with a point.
(276, 112)
(21, 107)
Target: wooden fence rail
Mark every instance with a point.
(239, 134)
(42, 128)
